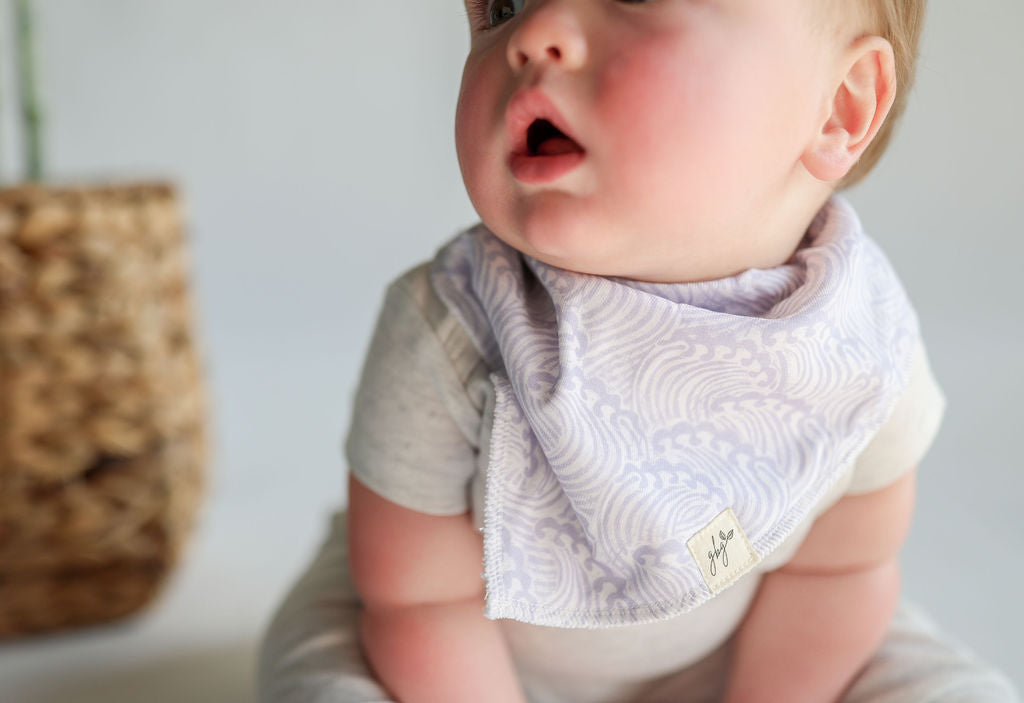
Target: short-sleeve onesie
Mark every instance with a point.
(421, 417)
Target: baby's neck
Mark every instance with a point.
(769, 239)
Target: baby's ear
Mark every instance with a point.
(865, 90)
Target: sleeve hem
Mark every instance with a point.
(906, 438)
(410, 499)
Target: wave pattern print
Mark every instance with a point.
(629, 414)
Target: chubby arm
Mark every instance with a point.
(422, 628)
(816, 621)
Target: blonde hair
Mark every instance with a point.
(900, 22)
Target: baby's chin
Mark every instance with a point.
(614, 255)
(575, 241)
(570, 249)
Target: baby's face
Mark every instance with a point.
(686, 122)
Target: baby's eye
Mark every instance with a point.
(494, 12)
(503, 10)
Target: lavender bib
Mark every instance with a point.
(631, 419)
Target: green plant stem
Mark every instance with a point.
(31, 112)
(1, 121)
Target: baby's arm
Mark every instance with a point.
(422, 628)
(816, 621)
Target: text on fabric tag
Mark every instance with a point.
(722, 551)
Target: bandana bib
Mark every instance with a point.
(652, 442)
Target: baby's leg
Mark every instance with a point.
(311, 654)
(918, 663)
(310, 651)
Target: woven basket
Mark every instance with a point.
(102, 418)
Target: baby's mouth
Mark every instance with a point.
(544, 139)
(542, 149)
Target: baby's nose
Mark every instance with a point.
(548, 32)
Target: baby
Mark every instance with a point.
(668, 396)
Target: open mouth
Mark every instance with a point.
(542, 148)
(544, 139)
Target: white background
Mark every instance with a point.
(312, 142)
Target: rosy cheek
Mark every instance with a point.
(469, 121)
(465, 108)
(641, 97)
(479, 131)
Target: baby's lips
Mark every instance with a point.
(526, 106)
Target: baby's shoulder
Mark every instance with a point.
(428, 325)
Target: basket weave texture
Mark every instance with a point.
(102, 416)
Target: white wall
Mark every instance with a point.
(945, 204)
(313, 143)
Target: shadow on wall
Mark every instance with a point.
(224, 675)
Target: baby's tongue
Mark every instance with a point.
(557, 145)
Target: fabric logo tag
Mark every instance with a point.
(722, 551)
